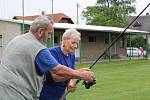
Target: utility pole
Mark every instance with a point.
(22, 16)
(51, 41)
(78, 13)
(53, 20)
(52, 7)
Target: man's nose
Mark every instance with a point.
(75, 46)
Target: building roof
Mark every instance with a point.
(57, 17)
(96, 28)
(142, 23)
(83, 27)
(136, 24)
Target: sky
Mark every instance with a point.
(10, 8)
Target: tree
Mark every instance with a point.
(109, 12)
(136, 41)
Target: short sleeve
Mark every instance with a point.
(44, 61)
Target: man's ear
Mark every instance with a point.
(40, 31)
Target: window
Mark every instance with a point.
(109, 38)
(26, 28)
(55, 39)
(121, 43)
(92, 39)
(0, 40)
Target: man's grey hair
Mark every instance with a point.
(41, 22)
(69, 32)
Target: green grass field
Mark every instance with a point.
(118, 80)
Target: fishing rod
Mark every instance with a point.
(115, 40)
(89, 84)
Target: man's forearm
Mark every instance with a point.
(58, 78)
(66, 72)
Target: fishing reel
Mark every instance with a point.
(88, 84)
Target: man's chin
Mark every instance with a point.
(72, 51)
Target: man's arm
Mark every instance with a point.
(44, 61)
(58, 78)
(69, 73)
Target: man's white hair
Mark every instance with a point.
(69, 32)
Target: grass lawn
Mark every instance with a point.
(118, 80)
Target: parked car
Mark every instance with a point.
(144, 53)
(133, 52)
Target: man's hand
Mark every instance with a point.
(87, 74)
(85, 69)
(71, 86)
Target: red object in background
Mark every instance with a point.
(141, 49)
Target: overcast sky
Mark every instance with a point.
(10, 8)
